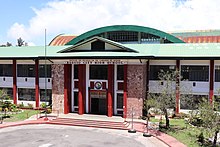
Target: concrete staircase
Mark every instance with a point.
(90, 123)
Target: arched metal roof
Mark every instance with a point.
(61, 39)
(124, 28)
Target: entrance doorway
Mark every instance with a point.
(98, 82)
(98, 102)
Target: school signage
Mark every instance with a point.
(95, 61)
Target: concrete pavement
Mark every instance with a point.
(45, 135)
(139, 125)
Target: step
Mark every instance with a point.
(87, 121)
(90, 123)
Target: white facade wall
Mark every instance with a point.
(24, 82)
(187, 87)
(190, 87)
(156, 86)
(6, 82)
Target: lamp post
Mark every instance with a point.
(146, 132)
(132, 130)
(45, 71)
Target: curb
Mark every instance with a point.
(170, 141)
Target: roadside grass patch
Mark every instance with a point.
(20, 116)
(183, 132)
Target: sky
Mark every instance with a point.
(28, 19)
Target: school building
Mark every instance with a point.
(110, 70)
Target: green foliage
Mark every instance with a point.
(21, 105)
(185, 133)
(210, 120)
(216, 103)
(181, 115)
(209, 117)
(201, 137)
(166, 99)
(49, 110)
(6, 105)
(43, 105)
(20, 42)
(14, 108)
(21, 116)
(3, 95)
(30, 106)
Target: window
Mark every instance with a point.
(98, 46)
(195, 73)
(42, 70)
(6, 70)
(120, 72)
(156, 69)
(25, 70)
(76, 98)
(9, 92)
(76, 76)
(25, 94)
(217, 73)
(48, 98)
(149, 38)
(98, 72)
(119, 100)
(123, 36)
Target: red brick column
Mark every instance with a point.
(136, 89)
(14, 71)
(110, 89)
(211, 82)
(58, 87)
(177, 86)
(67, 88)
(125, 92)
(37, 82)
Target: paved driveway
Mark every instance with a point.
(70, 136)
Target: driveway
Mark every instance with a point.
(71, 136)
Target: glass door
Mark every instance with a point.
(98, 82)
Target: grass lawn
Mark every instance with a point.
(183, 132)
(21, 116)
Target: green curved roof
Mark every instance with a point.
(124, 28)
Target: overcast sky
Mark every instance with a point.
(29, 18)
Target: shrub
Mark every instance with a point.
(49, 111)
(201, 138)
(30, 106)
(6, 104)
(21, 105)
(43, 105)
(181, 115)
(154, 111)
(13, 108)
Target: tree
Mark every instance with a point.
(20, 42)
(210, 119)
(8, 44)
(166, 98)
(3, 94)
